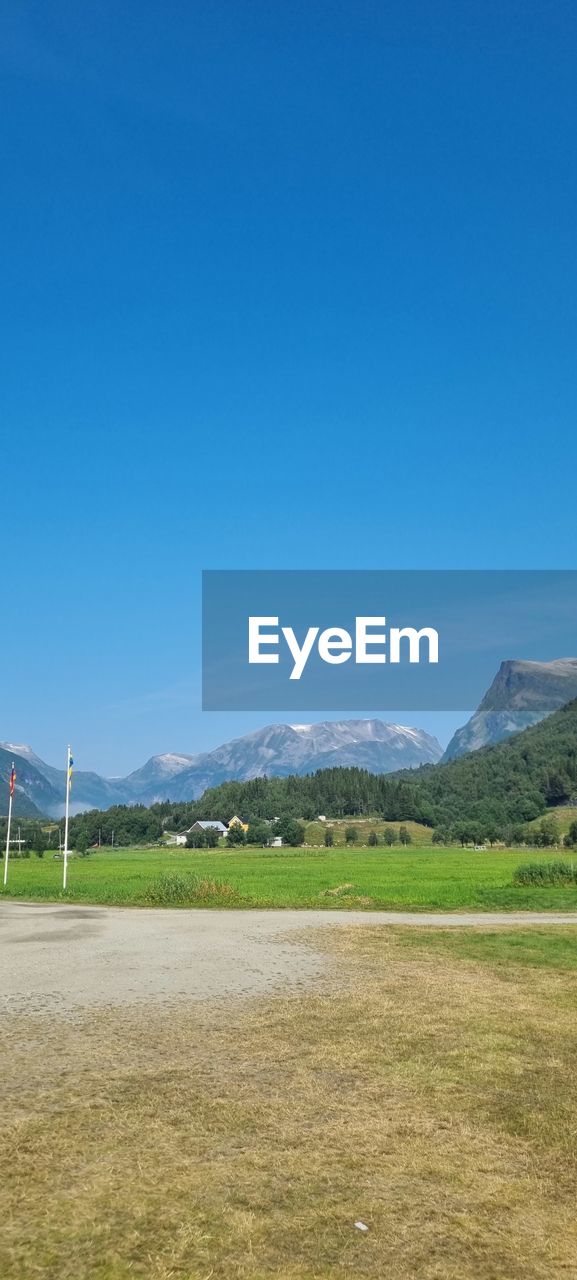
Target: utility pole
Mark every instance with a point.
(67, 815)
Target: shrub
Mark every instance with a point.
(217, 891)
(172, 889)
(538, 873)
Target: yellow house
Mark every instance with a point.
(238, 822)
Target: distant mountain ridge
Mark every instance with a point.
(282, 749)
(33, 793)
(277, 749)
(522, 694)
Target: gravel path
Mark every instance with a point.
(67, 958)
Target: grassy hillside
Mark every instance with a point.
(315, 831)
(564, 815)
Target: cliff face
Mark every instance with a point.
(521, 694)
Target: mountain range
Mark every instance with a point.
(278, 749)
(521, 694)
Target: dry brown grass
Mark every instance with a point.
(428, 1095)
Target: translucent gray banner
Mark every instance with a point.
(391, 639)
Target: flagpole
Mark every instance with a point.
(6, 855)
(66, 819)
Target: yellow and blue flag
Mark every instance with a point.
(70, 763)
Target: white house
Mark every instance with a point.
(180, 836)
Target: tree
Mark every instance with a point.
(36, 840)
(211, 837)
(258, 832)
(236, 834)
(351, 835)
(195, 840)
(405, 836)
(571, 837)
(373, 838)
(294, 833)
(329, 837)
(558, 788)
(513, 835)
(390, 836)
(547, 833)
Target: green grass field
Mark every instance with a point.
(416, 878)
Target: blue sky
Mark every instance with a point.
(284, 285)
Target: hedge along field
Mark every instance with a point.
(419, 879)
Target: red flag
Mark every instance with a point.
(12, 780)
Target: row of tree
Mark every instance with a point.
(544, 834)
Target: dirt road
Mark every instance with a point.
(64, 958)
